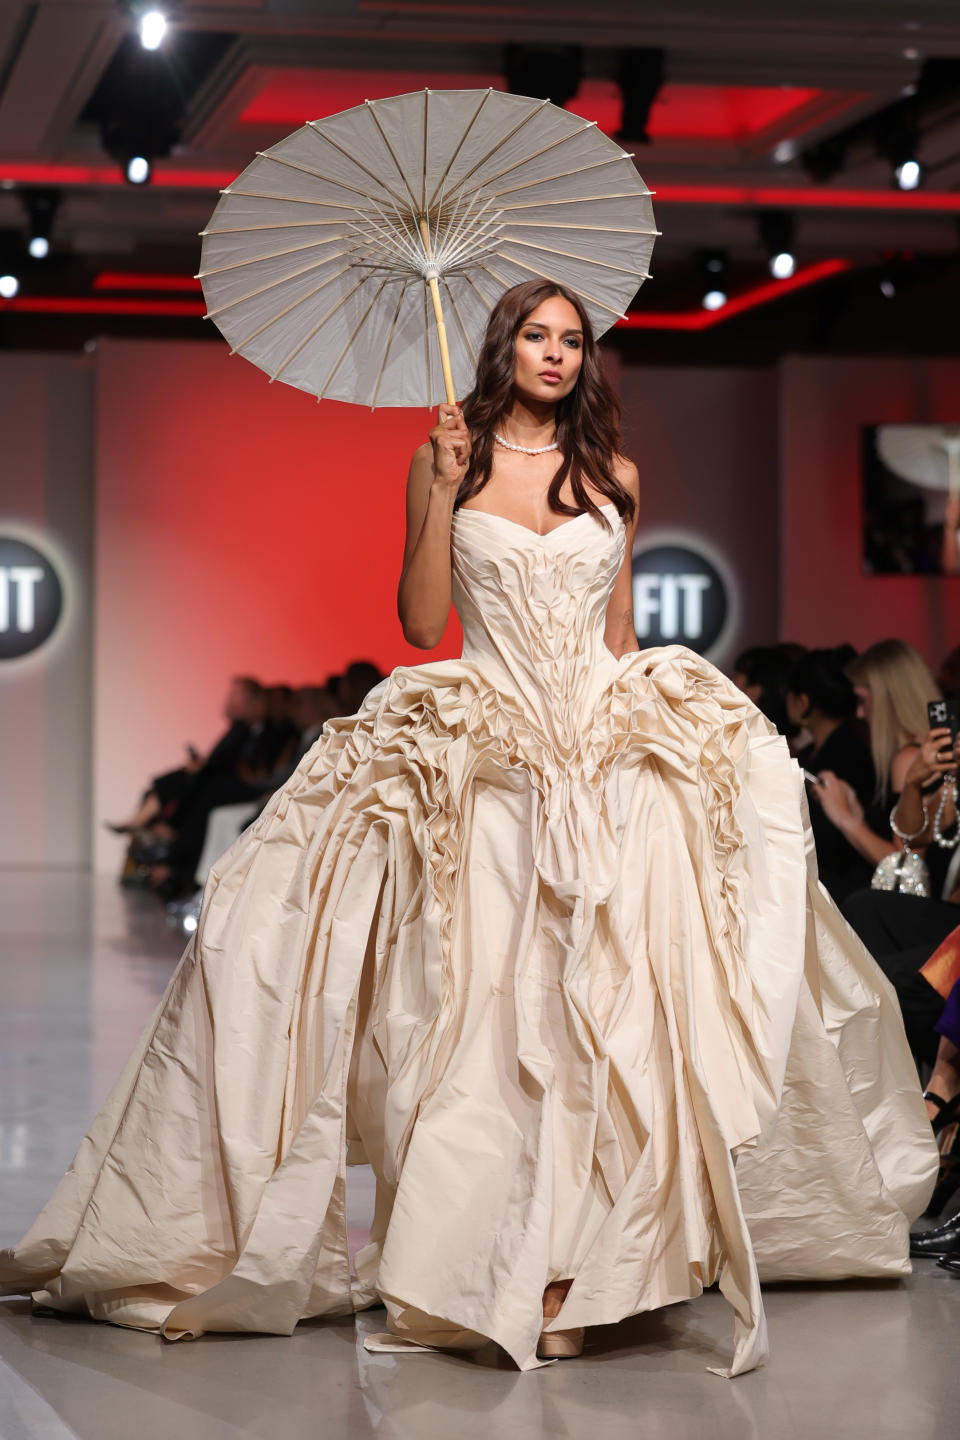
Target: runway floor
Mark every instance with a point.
(82, 965)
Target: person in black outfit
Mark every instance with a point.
(821, 699)
(244, 709)
(893, 686)
(762, 673)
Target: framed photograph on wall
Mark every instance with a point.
(908, 474)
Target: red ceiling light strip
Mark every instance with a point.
(807, 197)
(701, 319)
(82, 305)
(133, 280)
(812, 197)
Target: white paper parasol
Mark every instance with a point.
(359, 258)
(929, 455)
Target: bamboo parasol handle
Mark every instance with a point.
(438, 316)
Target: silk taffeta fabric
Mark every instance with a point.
(538, 934)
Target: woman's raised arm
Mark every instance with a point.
(423, 595)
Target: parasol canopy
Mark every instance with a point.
(359, 258)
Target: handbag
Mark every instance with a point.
(904, 871)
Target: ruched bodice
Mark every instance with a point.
(538, 934)
(533, 608)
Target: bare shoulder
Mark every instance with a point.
(627, 475)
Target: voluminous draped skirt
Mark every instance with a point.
(593, 1020)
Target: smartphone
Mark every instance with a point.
(944, 714)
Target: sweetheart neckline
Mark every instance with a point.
(537, 534)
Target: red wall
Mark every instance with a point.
(825, 596)
(241, 528)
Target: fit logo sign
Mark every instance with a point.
(31, 598)
(679, 597)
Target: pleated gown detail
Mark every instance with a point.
(538, 934)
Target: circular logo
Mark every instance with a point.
(679, 597)
(31, 598)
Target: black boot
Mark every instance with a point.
(933, 1244)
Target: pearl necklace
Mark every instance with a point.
(525, 449)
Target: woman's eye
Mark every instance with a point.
(573, 343)
(533, 335)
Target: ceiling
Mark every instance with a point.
(749, 88)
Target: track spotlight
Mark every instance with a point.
(908, 174)
(153, 27)
(896, 140)
(641, 77)
(549, 72)
(776, 235)
(41, 206)
(713, 263)
(9, 285)
(138, 170)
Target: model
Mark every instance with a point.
(538, 934)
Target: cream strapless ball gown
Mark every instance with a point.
(538, 934)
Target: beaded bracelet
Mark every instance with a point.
(902, 834)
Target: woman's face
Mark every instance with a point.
(549, 351)
(864, 702)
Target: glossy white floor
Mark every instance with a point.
(81, 968)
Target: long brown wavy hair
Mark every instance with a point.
(588, 418)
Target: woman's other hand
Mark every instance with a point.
(838, 800)
(450, 439)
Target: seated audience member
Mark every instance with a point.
(820, 698)
(356, 682)
(893, 686)
(245, 709)
(762, 673)
(942, 1095)
(310, 708)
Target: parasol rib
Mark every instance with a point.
(578, 200)
(544, 150)
(272, 284)
(390, 151)
(494, 148)
(314, 125)
(317, 175)
(542, 275)
(386, 352)
(315, 331)
(280, 315)
(271, 255)
(291, 200)
(561, 175)
(487, 304)
(581, 259)
(358, 327)
(278, 225)
(452, 161)
(571, 225)
(426, 150)
(463, 329)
